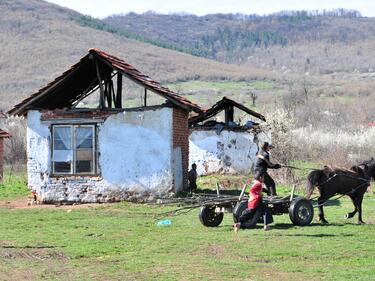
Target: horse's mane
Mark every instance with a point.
(331, 170)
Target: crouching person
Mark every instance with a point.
(255, 207)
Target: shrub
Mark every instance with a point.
(15, 147)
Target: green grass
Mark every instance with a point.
(13, 185)
(197, 85)
(122, 242)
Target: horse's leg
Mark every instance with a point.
(351, 214)
(359, 207)
(321, 200)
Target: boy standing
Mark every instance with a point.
(192, 177)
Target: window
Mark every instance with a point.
(73, 150)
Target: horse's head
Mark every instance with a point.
(369, 167)
(361, 170)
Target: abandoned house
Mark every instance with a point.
(108, 152)
(224, 147)
(3, 135)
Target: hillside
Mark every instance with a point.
(40, 40)
(300, 42)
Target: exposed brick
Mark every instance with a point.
(63, 114)
(181, 139)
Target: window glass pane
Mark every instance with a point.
(62, 138)
(84, 137)
(62, 167)
(84, 150)
(84, 166)
(62, 149)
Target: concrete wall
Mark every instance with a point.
(135, 159)
(229, 152)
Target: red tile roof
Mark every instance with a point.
(4, 134)
(75, 83)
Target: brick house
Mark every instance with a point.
(107, 153)
(225, 147)
(3, 135)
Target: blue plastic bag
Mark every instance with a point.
(164, 223)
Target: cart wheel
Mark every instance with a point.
(251, 223)
(209, 217)
(301, 211)
(237, 211)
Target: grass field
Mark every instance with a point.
(206, 93)
(196, 85)
(122, 242)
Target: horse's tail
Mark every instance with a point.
(313, 180)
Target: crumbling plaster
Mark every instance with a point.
(229, 152)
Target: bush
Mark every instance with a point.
(280, 125)
(15, 147)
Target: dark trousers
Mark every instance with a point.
(192, 186)
(250, 217)
(270, 184)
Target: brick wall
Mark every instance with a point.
(66, 114)
(1, 158)
(181, 139)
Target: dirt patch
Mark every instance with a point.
(16, 275)
(215, 250)
(32, 254)
(23, 203)
(272, 274)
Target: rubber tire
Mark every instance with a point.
(301, 211)
(209, 218)
(237, 212)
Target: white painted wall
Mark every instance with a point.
(38, 150)
(135, 156)
(226, 152)
(136, 150)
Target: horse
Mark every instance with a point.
(331, 181)
(370, 167)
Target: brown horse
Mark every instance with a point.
(331, 181)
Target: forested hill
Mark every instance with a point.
(315, 42)
(40, 40)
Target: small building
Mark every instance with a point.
(109, 152)
(224, 147)
(3, 135)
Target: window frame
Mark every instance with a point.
(73, 167)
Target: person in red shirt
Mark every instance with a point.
(255, 207)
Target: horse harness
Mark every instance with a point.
(353, 190)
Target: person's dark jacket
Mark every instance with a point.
(263, 162)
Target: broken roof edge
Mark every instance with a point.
(117, 64)
(220, 106)
(4, 134)
(145, 81)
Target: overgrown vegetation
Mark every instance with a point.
(13, 184)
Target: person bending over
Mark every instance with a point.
(255, 207)
(262, 163)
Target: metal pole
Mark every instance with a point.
(292, 193)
